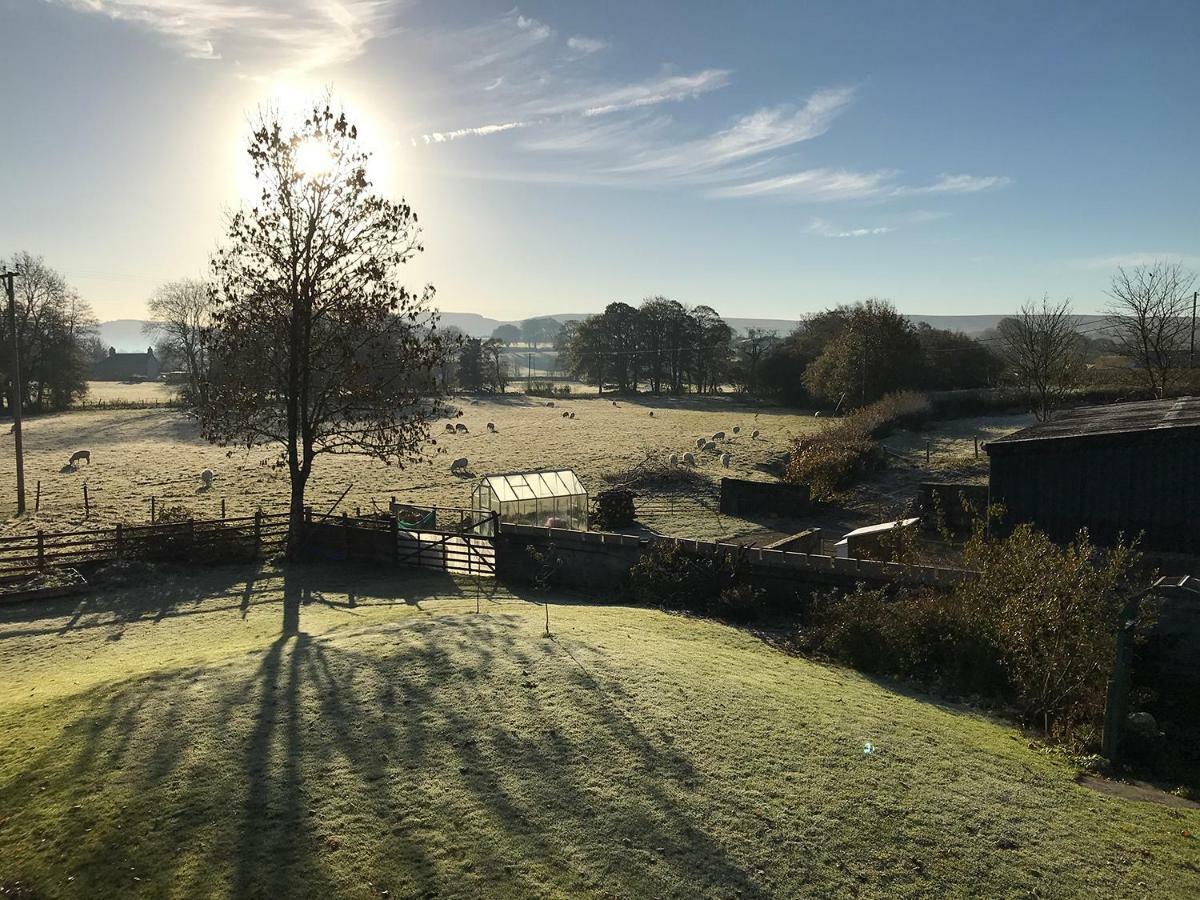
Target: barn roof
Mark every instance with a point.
(1115, 418)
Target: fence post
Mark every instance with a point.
(41, 549)
(151, 509)
(37, 500)
(222, 509)
(87, 507)
(1117, 704)
(257, 528)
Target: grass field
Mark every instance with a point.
(137, 454)
(120, 392)
(247, 733)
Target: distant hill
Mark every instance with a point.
(126, 334)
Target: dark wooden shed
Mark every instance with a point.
(1126, 469)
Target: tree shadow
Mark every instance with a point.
(460, 753)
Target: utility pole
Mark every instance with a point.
(15, 375)
(528, 372)
(1192, 348)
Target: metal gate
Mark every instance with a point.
(460, 554)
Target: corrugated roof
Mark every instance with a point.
(1116, 418)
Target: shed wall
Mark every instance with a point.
(1146, 482)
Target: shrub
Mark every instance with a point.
(704, 583)
(174, 538)
(1034, 628)
(846, 450)
(614, 509)
(545, 388)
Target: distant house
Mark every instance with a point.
(1128, 470)
(127, 366)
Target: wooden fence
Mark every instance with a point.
(246, 535)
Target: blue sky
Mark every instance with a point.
(768, 159)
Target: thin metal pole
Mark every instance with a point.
(8, 277)
(1192, 348)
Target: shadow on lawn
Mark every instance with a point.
(458, 753)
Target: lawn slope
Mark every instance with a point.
(249, 734)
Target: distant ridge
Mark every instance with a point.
(126, 334)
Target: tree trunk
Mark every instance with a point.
(295, 544)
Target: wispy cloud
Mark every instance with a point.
(442, 137)
(297, 35)
(585, 45)
(825, 229)
(824, 184)
(652, 92)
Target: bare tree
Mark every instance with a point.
(316, 346)
(181, 315)
(1042, 350)
(1150, 318)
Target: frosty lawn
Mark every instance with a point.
(318, 733)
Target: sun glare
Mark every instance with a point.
(314, 158)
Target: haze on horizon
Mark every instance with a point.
(767, 161)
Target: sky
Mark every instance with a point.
(768, 159)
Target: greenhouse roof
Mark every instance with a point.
(534, 485)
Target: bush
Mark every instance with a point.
(544, 388)
(1035, 628)
(174, 538)
(614, 509)
(703, 583)
(847, 450)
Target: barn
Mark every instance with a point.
(1124, 469)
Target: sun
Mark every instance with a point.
(314, 158)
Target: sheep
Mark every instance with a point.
(491, 426)
(673, 459)
(689, 458)
(550, 404)
(719, 436)
(458, 415)
(700, 442)
(207, 477)
(725, 460)
(85, 455)
(459, 465)
(566, 414)
(817, 414)
(754, 434)
(737, 429)
(572, 415)
(450, 428)
(460, 428)
(710, 446)
(652, 414)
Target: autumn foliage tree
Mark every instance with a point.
(316, 345)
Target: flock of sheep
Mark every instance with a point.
(709, 445)
(206, 476)
(460, 465)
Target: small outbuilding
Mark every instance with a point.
(554, 499)
(1128, 469)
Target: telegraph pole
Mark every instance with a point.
(15, 400)
(1192, 348)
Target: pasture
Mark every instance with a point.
(329, 732)
(139, 453)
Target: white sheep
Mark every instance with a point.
(725, 460)
(572, 415)
(817, 414)
(700, 442)
(710, 446)
(207, 477)
(461, 428)
(689, 458)
(719, 436)
(673, 459)
(459, 465)
(491, 426)
(737, 429)
(85, 455)
(754, 434)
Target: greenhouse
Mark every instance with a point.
(547, 499)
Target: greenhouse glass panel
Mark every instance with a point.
(552, 499)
